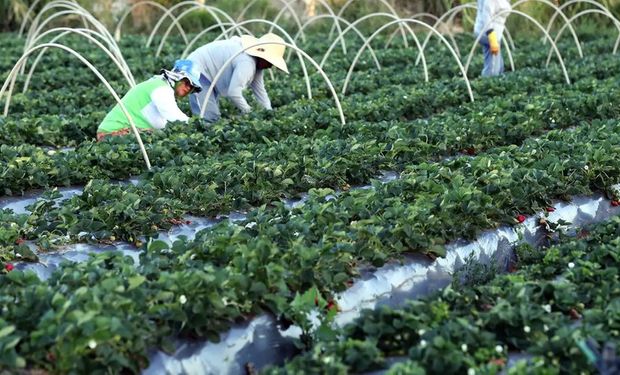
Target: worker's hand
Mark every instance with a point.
(493, 42)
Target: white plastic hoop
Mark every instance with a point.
(207, 30)
(347, 23)
(183, 14)
(427, 15)
(571, 2)
(355, 23)
(359, 53)
(581, 14)
(27, 17)
(121, 65)
(336, 23)
(71, 8)
(117, 30)
(386, 4)
(287, 5)
(451, 14)
(170, 11)
(68, 4)
(557, 11)
(553, 45)
(21, 60)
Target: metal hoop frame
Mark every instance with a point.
(207, 30)
(530, 18)
(355, 23)
(386, 4)
(183, 14)
(117, 30)
(359, 53)
(355, 29)
(16, 67)
(121, 65)
(581, 14)
(171, 10)
(287, 6)
(557, 9)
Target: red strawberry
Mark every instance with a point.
(188, 222)
(9, 267)
(574, 314)
(331, 305)
(521, 218)
(550, 209)
(486, 306)
(19, 241)
(615, 203)
(498, 361)
(583, 234)
(316, 300)
(512, 267)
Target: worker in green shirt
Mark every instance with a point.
(151, 104)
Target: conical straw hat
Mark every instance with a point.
(273, 53)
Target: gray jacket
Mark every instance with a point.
(240, 74)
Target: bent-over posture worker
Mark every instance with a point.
(490, 24)
(246, 70)
(152, 103)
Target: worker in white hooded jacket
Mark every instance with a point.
(246, 70)
(490, 24)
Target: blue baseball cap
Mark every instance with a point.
(187, 69)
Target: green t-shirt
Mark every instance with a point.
(134, 101)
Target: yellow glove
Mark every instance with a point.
(493, 42)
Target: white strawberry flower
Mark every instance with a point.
(183, 299)
(571, 265)
(423, 343)
(92, 344)
(527, 329)
(471, 371)
(499, 348)
(547, 308)
(464, 347)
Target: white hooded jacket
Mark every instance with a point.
(487, 10)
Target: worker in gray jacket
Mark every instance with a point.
(246, 70)
(490, 23)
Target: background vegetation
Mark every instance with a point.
(143, 18)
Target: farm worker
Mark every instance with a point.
(245, 70)
(490, 21)
(152, 103)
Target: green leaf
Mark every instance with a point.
(6, 331)
(136, 281)
(157, 246)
